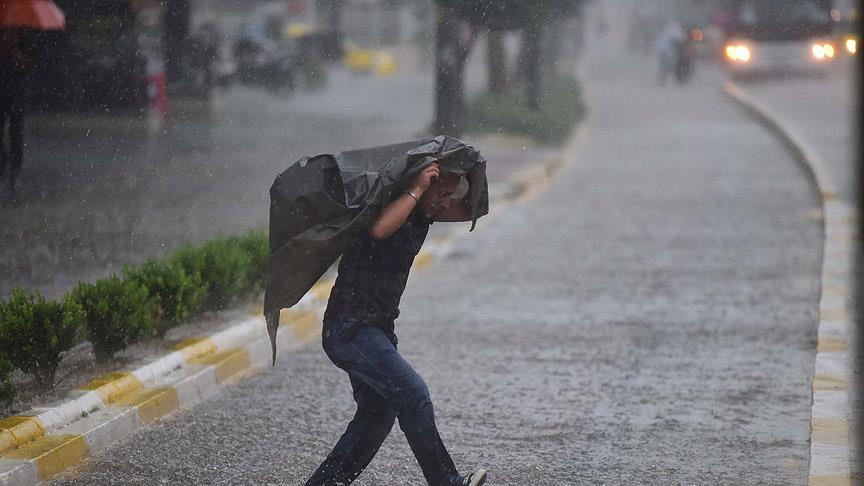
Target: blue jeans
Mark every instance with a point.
(385, 387)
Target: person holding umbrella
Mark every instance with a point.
(16, 66)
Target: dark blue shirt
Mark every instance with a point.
(373, 274)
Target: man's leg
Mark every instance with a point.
(361, 440)
(373, 358)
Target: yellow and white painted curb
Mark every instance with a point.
(36, 446)
(830, 417)
(46, 441)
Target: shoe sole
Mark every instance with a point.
(479, 478)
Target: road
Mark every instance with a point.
(101, 193)
(648, 319)
(822, 111)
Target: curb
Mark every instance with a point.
(830, 415)
(45, 442)
(36, 447)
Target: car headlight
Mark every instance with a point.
(851, 45)
(818, 51)
(822, 51)
(738, 52)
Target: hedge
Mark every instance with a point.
(508, 112)
(34, 332)
(176, 294)
(116, 311)
(223, 266)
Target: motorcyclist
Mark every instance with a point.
(667, 47)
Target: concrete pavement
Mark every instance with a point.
(649, 319)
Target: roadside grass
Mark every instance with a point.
(508, 113)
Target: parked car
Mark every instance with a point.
(264, 62)
(361, 60)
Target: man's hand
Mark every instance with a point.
(424, 178)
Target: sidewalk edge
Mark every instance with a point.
(830, 414)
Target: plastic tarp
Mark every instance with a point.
(318, 204)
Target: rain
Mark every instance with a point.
(515, 241)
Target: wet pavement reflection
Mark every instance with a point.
(101, 192)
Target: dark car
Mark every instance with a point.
(264, 62)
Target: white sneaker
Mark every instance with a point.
(477, 478)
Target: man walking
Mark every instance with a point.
(358, 335)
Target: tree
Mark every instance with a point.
(454, 38)
(495, 15)
(497, 60)
(504, 15)
(331, 14)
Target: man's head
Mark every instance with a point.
(440, 194)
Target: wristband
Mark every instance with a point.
(412, 195)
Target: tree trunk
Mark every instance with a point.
(531, 57)
(496, 57)
(452, 45)
(330, 12)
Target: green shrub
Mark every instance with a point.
(508, 112)
(178, 295)
(115, 312)
(223, 267)
(118, 312)
(7, 390)
(34, 332)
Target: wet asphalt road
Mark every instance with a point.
(99, 193)
(648, 319)
(822, 110)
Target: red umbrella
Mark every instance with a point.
(32, 14)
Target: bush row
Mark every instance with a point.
(508, 112)
(113, 312)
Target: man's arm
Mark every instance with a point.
(394, 214)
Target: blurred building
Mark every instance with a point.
(126, 54)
